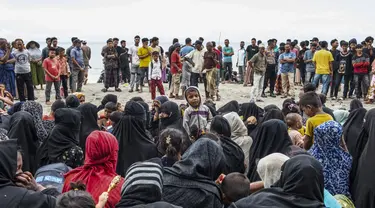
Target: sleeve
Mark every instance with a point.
(190, 54)
(309, 128)
(331, 57)
(72, 54)
(38, 199)
(254, 58)
(305, 56)
(139, 52)
(313, 59)
(209, 119)
(149, 71)
(186, 120)
(281, 57)
(173, 58)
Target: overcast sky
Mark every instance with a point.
(97, 20)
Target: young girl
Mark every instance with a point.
(170, 143)
(294, 121)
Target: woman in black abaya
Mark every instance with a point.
(272, 137)
(248, 110)
(107, 98)
(89, 119)
(301, 185)
(231, 106)
(352, 128)
(22, 128)
(363, 187)
(271, 114)
(134, 144)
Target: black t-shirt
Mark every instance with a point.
(251, 51)
(345, 63)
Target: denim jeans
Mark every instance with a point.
(362, 83)
(326, 79)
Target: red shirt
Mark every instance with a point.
(218, 53)
(52, 66)
(175, 58)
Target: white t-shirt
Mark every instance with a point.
(22, 65)
(197, 57)
(35, 53)
(241, 57)
(133, 51)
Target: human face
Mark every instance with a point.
(145, 44)
(136, 41)
(54, 43)
(242, 44)
(313, 48)
(163, 115)
(178, 49)
(193, 98)
(308, 111)
(209, 46)
(52, 54)
(344, 48)
(253, 42)
(19, 45)
(115, 42)
(123, 44)
(107, 112)
(335, 44)
(78, 45)
(198, 47)
(226, 42)
(287, 48)
(352, 46)
(358, 50)
(48, 42)
(299, 122)
(110, 44)
(19, 163)
(155, 57)
(155, 42)
(3, 44)
(261, 50)
(62, 53)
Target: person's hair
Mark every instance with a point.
(295, 41)
(309, 87)
(369, 38)
(77, 197)
(235, 186)
(226, 40)
(196, 133)
(313, 45)
(47, 39)
(359, 46)
(59, 49)
(111, 106)
(293, 44)
(344, 43)
(72, 101)
(289, 106)
(115, 39)
(310, 98)
(323, 98)
(363, 43)
(155, 53)
(187, 40)
(123, 41)
(51, 49)
(253, 39)
(57, 105)
(175, 40)
(323, 44)
(154, 39)
(288, 40)
(115, 117)
(137, 99)
(291, 119)
(73, 39)
(333, 41)
(201, 39)
(213, 44)
(259, 42)
(171, 142)
(220, 126)
(137, 36)
(303, 44)
(53, 38)
(144, 40)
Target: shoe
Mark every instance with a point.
(172, 96)
(103, 90)
(136, 89)
(263, 95)
(259, 100)
(48, 103)
(118, 90)
(140, 90)
(334, 98)
(218, 98)
(272, 95)
(131, 90)
(245, 85)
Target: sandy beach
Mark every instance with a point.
(228, 92)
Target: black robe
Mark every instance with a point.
(301, 185)
(190, 182)
(12, 196)
(250, 109)
(355, 104)
(89, 122)
(352, 128)
(107, 98)
(231, 106)
(363, 187)
(271, 114)
(23, 129)
(272, 137)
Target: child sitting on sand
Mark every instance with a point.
(104, 118)
(114, 118)
(234, 187)
(294, 122)
(6, 99)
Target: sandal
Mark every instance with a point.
(104, 90)
(118, 90)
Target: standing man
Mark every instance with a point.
(176, 70)
(23, 72)
(144, 54)
(196, 57)
(86, 59)
(228, 52)
(171, 49)
(310, 66)
(345, 70)
(78, 66)
(270, 75)
(209, 65)
(134, 61)
(323, 60)
(68, 51)
(45, 50)
(287, 60)
(335, 65)
(258, 65)
(251, 50)
(7, 60)
(54, 43)
(241, 55)
(124, 64)
(301, 65)
(186, 68)
(52, 75)
(155, 46)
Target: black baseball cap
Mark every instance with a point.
(314, 39)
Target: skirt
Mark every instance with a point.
(8, 78)
(37, 73)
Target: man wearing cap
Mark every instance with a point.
(78, 66)
(287, 60)
(86, 58)
(258, 64)
(144, 54)
(323, 61)
(176, 70)
(196, 56)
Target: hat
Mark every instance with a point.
(261, 45)
(314, 39)
(31, 42)
(149, 173)
(77, 41)
(84, 42)
(176, 45)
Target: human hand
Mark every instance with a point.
(300, 143)
(26, 180)
(251, 120)
(103, 198)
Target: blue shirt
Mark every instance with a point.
(185, 50)
(6, 66)
(310, 67)
(229, 49)
(77, 54)
(287, 67)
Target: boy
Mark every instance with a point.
(52, 69)
(64, 70)
(312, 107)
(294, 122)
(361, 63)
(154, 75)
(197, 113)
(234, 187)
(104, 118)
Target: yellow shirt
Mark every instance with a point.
(145, 61)
(315, 121)
(322, 58)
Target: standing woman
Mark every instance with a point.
(7, 60)
(37, 71)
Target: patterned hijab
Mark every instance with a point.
(36, 110)
(336, 162)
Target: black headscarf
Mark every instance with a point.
(272, 137)
(232, 106)
(301, 185)
(134, 144)
(146, 107)
(23, 130)
(65, 134)
(190, 182)
(174, 119)
(363, 187)
(271, 114)
(107, 98)
(250, 109)
(8, 162)
(353, 127)
(267, 108)
(72, 101)
(212, 106)
(135, 109)
(89, 122)
(355, 104)
(233, 153)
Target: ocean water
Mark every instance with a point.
(96, 61)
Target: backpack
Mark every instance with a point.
(52, 175)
